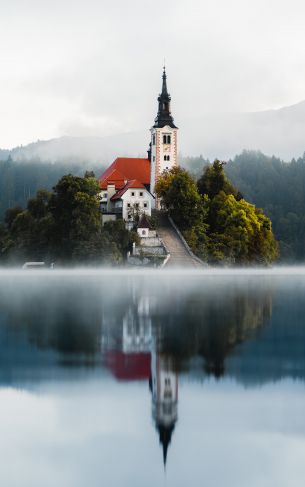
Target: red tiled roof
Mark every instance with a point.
(113, 177)
(126, 168)
(130, 184)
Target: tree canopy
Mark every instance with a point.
(179, 194)
(64, 226)
(219, 225)
(214, 180)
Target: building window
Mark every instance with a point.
(166, 158)
(141, 193)
(132, 193)
(154, 158)
(145, 205)
(166, 139)
(154, 139)
(128, 205)
(105, 195)
(143, 232)
(136, 205)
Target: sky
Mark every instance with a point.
(94, 67)
(100, 432)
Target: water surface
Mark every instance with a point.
(152, 378)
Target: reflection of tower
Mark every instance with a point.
(137, 327)
(164, 388)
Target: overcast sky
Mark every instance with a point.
(94, 67)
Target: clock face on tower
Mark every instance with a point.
(166, 148)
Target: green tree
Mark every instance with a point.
(179, 195)
(116, 231)
(219, 225)
(64, 226)
(240, 234)
(214, 180)
(74, 206)
(11, 214)
(39, 206)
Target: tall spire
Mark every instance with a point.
(164, 116)
(164, 85)
(165, 436)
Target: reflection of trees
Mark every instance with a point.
(214, 326)
(81, 317)
(67, 317)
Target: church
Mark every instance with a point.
(128, 184)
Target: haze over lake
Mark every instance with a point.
(120, 377)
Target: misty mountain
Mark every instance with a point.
(97, 150)
(274, 132)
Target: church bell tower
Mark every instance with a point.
(163, 151)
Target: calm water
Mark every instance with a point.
(124, 378)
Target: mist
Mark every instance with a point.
(94, 78)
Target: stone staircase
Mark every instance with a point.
(179, 255)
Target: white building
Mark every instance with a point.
(128, 185)
(163, 154)
(125, 189)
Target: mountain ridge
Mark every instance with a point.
(278, 132)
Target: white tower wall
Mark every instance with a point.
(164, 156)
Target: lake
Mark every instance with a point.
(152, 378)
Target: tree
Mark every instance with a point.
(240, 234)
(11, 214)
(39, 206)
(214, 180)
(116, 230)
(74, 206)
(179, 195)
(219, 225)
(64, 226)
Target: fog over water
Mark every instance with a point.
(133, 377)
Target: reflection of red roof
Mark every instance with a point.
(130, 184)
(124, 169)
(128, 366)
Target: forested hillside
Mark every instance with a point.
(20, 180)
(276, 186)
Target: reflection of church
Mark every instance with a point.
(164, 389)
(133, 353)
(126, 348)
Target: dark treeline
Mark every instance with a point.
(279, 188)
(20, 180)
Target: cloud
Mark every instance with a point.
(101, 60)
